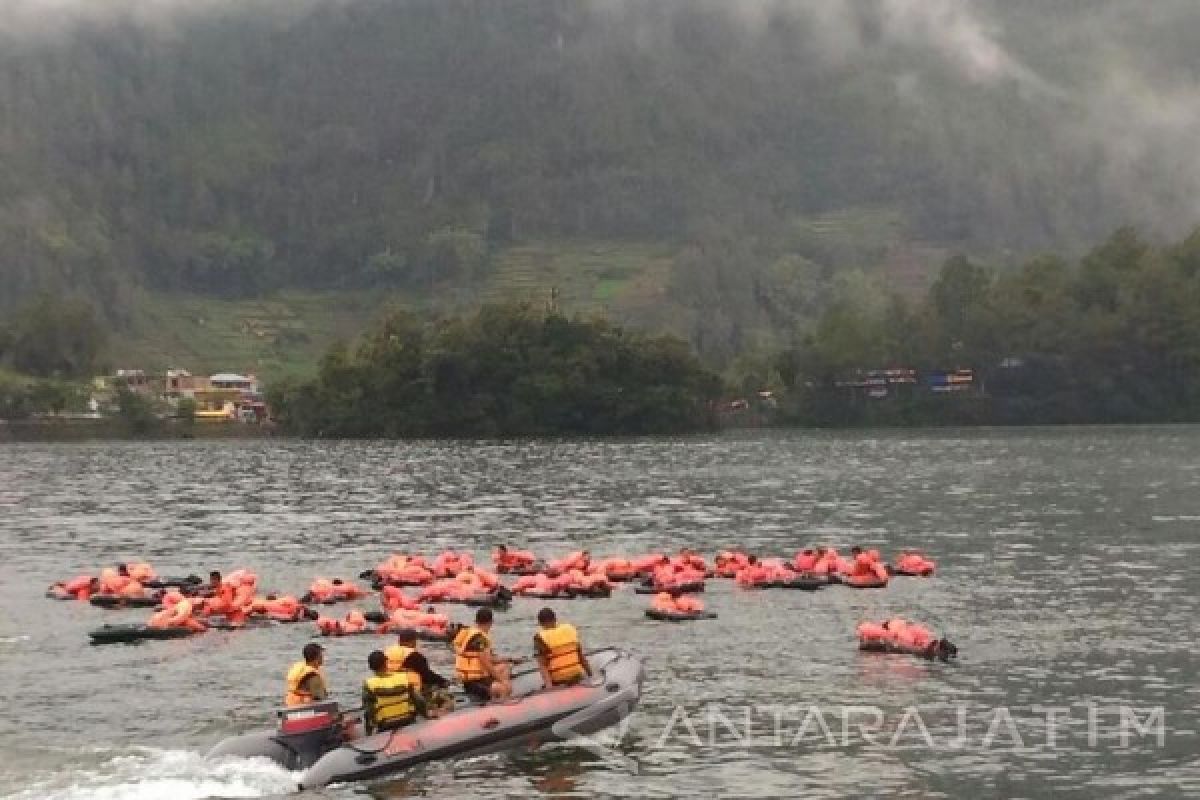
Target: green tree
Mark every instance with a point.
(57, 338)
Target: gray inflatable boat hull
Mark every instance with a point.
(533, 716)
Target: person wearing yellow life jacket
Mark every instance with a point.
(389, 699)
(405, 657)
(559, 653)
(305, 680)
(483, 676)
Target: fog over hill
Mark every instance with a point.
(233, 147)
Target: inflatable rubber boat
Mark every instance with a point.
(863, 581)
(691, 587)
(186, 583)
(128, 634)
(804, 583)
(679, 616)
(311, 738)
(939, 649)
(119, 601)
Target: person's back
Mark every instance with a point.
(388, 698)
(305, 680)
(559, 652)
(405, 656)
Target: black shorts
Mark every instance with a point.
(480, 690)
(395, 724)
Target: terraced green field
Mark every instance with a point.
(286, 333)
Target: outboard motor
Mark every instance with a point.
(309, 732)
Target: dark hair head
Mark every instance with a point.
(337, 581)
(214, 577)
(546, 616)
(855, 550)
(406, 636)
(122, 569)
(312, 651)
(483, 616)
(377, 661)
(502, 548)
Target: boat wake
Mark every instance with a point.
(151, 774)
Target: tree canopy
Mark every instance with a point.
(504, 371)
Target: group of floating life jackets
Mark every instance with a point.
(125, 581)
(898, 635)
(677, 604)
(863, 567)
(429, 622)
(335, 590)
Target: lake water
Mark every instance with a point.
(1069, 578)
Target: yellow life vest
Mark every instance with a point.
(467, 665)
(296, 694)
(393, 698)
(562, 653)
(396, 656)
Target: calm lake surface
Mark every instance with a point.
(1069, 578)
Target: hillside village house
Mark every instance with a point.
(224, 396)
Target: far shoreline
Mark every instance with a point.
(50, 431)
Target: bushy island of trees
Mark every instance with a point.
(1112, 339)
(507, 370)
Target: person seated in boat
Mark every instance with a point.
(389, 699)
(404, 656)
(559, 653)
(483, 676)
(305, 680)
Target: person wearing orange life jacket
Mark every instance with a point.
(305, 680)
(483, 676)
(393, 597)
(663, 601)
(863, 566)
(81, 586)
(141, 572)
(754, 573)
(805, 561)
(356, 622)
(559, 653)
(177, 615)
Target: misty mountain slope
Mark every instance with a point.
(232, 148)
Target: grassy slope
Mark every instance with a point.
(272, 336)
(286, 333)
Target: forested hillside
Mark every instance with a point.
(754, 157)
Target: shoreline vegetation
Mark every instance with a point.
(507, 370)
(1113, 338)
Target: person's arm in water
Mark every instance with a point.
(420, 665)
(418, 702)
